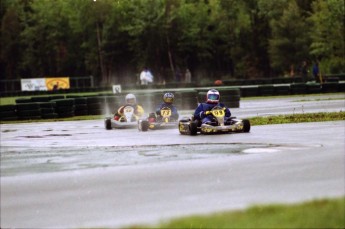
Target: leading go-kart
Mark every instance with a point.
(162, 121)
(127, 120)
(219, 124)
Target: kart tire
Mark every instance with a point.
(4, 108)
(40, 99)
(27, 106)
(63, 102)
(47, 110)
(144, 125)
(107, 123)
(23, 100)
(47, 104)
(50, 116)
(7, 114)
(54, 97)
(246, 125)
(193, 127)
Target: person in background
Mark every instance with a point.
(304, 71)
(146, 77)
(316, 71)
(188, 76)
(178, 75)
(130, 101)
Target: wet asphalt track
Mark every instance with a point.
(77, 174)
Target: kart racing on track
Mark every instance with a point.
(219, 124)
(162, 121)
(127, 120)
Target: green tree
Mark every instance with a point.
(289, 44)
(45, 37)
(9, 40)
(328, 35)
(255, 42)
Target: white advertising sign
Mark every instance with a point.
(117, 89)
(38, 84)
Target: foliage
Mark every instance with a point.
(215, 39)
(297, 118)
(325, 213)
(328, 37)
(290, 35)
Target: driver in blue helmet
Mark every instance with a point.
(212, 100)
(168, 100)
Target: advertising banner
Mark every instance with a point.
(116, 88)
(37, 84)
(57, 83)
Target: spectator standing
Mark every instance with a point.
(304, 71)
(316, 71)
(292, 71)
(188, 76)
(178, 75)
(146, 77)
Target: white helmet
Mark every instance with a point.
(212, 96)
(131, 99)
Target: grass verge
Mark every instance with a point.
(297, 118)
(254, 121)
(325, 213)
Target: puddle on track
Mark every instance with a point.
(27, 160)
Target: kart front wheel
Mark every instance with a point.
(246, 125)
(193, 127)
(107, 124)
(143, 125)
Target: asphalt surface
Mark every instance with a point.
(77, 174)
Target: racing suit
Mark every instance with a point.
(200, 112)
(174, 112)
(138, 111)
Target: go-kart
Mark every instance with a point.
(219, 124)
(127, 120)
(162, 121)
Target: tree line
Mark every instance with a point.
(216, 39)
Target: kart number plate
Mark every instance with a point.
(166, 112)
(128, 109)
(218, 113)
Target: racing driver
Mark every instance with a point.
(212, 100)
(130, 101)
(168, 100)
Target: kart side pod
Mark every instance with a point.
(191, 127)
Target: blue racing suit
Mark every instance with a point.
(174, 112)
(199, 113)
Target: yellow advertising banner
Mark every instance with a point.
(57, 83)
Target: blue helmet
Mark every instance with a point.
(168, 97)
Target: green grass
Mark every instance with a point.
(325, 213)
(75, 118)
(12, 100)
(254, 121)
(297, 118)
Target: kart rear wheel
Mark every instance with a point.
(246, 125)
(144, 125)
(193, 127)
(107, 123)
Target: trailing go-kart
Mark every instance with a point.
(127, 120)
(219, 124)
(163, 121)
